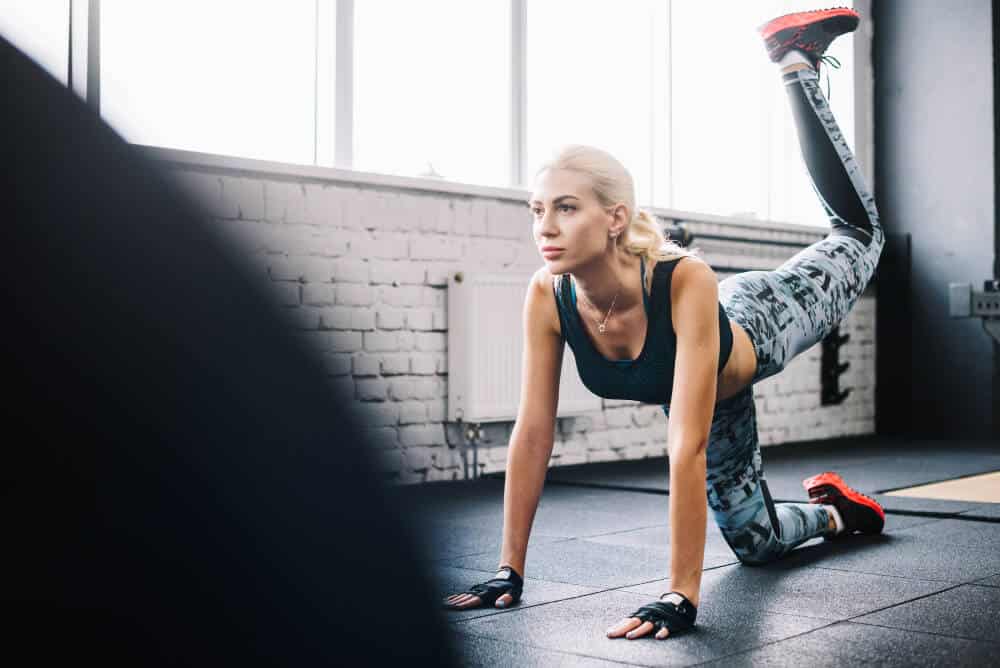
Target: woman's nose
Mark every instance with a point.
(547, 225)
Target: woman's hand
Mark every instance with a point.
(500, 591)
(633, 628)
(672, 613)
(463, 601)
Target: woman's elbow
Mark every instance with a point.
(687, 448)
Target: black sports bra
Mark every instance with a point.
(649, 378)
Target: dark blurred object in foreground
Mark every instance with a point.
(178, 484)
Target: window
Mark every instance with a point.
(681, 92)
(41, 31)
(719, 76)
(227, 77)
(432, 87)
(790, 194)
(689, 103)
(590, 81)
(735, 148)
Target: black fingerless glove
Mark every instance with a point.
(675, 617)
(494, 588)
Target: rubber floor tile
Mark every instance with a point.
(805, 592)
(443, 541)
(964, 612)
(481, 652)
(590, 564)
(845, 644)
(914, 553)
(992, 581)
(580, 626)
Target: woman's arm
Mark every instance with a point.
(532, 438)
(695, 299)
(694, 295)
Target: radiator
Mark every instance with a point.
(485, 341)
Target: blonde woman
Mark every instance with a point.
(647, 320)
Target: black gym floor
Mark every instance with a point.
(925, 592)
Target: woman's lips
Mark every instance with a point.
(551, 253)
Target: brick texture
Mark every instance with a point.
(361, 274)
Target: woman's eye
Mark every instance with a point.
(538, 212)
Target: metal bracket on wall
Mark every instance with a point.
(831, 369)
(679, 234)
(474, 434)
(471, 435)
(963, 302)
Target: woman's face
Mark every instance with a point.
(570, 226)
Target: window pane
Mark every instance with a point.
(226, 77)
(735, 147)
(720, 75)
(432, 88)
(39, 28)
(590, 81)
(791, 194)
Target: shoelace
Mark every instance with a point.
(832, 62)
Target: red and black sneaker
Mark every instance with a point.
(859, 512)
(809, 32)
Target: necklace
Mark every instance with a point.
(601, 326)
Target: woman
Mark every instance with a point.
(653, 324)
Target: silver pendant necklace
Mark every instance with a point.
(602, 326)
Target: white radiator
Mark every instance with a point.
(485, 340)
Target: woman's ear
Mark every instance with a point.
(619, 215)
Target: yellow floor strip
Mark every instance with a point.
(983, 488)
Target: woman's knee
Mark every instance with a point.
(757, 558)
(752, 548)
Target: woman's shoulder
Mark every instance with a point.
(685, 265)
(542, 298)
(547, 282)
(692, 273)
(679, 266)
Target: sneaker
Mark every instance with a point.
(809, 32)
(859, 512)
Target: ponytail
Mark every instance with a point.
(644, 237)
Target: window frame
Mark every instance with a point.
(334, 97)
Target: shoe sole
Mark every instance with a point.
(833, 480)
(801, 19)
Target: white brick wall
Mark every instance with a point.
(362, 273)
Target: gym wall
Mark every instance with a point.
(362, 270)
(935, 181)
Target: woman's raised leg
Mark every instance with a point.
(787, 311)
(790, 309)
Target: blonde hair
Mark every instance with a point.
(612, 184)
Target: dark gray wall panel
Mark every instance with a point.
(935, 180)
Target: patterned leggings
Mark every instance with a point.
(785, 312)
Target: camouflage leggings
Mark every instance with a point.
(785, 312)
